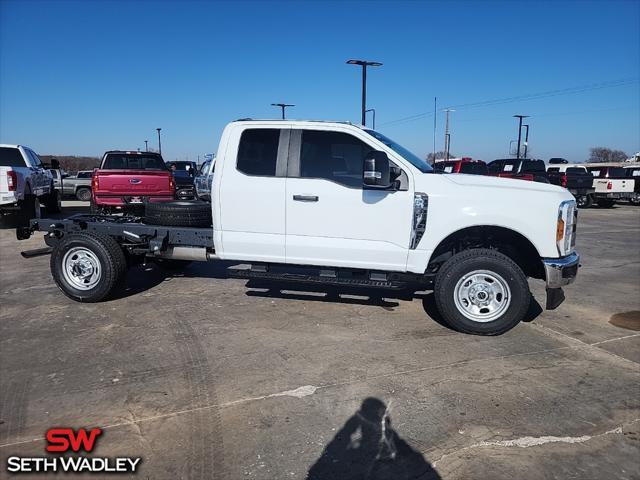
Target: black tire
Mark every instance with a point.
(83, 194)
(584, 201)
(173, 265)
(605, 203)
(104, 250)
(635, 199)
(498, 265)
(53, 201)
(192, 213)
(29, 208)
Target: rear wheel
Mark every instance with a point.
(584, 201)
(87, 267)
(29, 208)
(83, 194)
(482, 291)
(635, 198)
(53, 201)
(605, 203)
(179, 213)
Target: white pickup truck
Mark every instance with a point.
(339, 204)
(611, 184)
(25, 183)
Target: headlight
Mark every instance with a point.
(566, 227)
(419, 224)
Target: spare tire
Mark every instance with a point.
(179, 213)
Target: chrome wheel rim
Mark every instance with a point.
(482, 296)
(81, 268)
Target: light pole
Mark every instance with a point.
(447, 135)
(526, 140)
(282, 106)
(364, 64)
(372, 110)
(519, 117)
(159, 144)
(146, 145)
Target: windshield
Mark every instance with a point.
(412, 158)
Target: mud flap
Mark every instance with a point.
(555, 297)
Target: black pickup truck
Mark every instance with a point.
(523, 169)
(575, 178)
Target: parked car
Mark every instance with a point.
(342, 205)
(558, 161)
(184, 173)
(79, 185)
(473, 167)
(204, 179)
(25, 183)
(523, 169)
(574, 178)
(633, 172)
(126, 180)
(611, 184)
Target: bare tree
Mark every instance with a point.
(606, 155)
(439, 156)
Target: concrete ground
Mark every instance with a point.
(209, 377)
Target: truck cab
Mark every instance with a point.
(338, 203)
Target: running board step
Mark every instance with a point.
(322, 278)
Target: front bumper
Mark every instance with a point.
(561, 271)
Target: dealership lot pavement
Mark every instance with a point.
(209, 377)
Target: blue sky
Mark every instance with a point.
(86, 76)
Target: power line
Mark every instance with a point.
(526, 97)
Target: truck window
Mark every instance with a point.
(553, 169)
(496, 166)
(84, 174)
(258, 151)
(576, 171)
(616, 172)
(332, 156)
(11, 157)
(467, 167)
(125, 161)
(35, 159)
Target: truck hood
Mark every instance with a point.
(497, 182)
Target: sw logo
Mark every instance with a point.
(68, 440)
(61, 439)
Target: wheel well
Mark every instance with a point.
(508, 242)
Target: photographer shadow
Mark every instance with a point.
(368, 448)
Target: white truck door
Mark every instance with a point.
(331, 219)
(252, 188)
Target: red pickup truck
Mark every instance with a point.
(126, 181)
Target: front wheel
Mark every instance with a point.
(482, 291)
(87, 267)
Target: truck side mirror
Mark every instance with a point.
(377, 170)
(55, 164)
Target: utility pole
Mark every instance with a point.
(282, 106)
(146, 145)
(526, 140)
(364, 64)
(447, 136)
(519, 117)
(159, 144)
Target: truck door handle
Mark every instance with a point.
(305, 198)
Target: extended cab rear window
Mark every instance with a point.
(258, 151)
(11, 157)
(127, 161)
